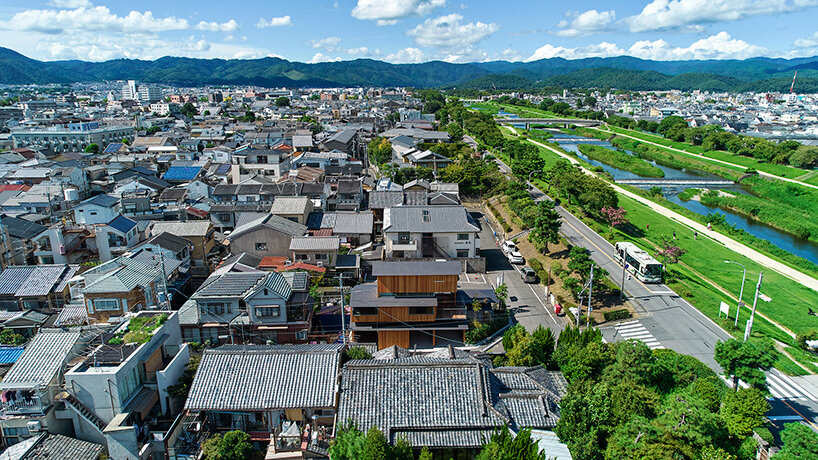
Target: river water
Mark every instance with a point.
(789, 243)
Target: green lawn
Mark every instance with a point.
(621, 160)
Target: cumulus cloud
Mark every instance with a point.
(718, 46)
(448, 32)
(387, 12)
(326, 43)
(407, 56)
(92, 19)
(586, 23)
(279, 21)
(808, 42)
(229, 26)
(321, 57)
(690, 14)
(71, 3)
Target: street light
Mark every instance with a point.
(758, 295)
(741, 292)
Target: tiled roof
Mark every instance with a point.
(315, 243)
(31, 280)
(428, 219)
(289, 205)
(43, 358)
(72, 315)
(360, 223)
(258, 378)
(21, 228)
(129, 274)
(230, 285)
(274, 222)
(190, 228)
(56, 446)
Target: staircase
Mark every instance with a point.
(83, 410)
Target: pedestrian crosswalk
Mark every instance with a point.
(780, 386)
(635, 330)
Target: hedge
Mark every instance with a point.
(616, 314)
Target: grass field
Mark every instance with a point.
(621, 160)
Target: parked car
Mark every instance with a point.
(509, 246)
(529, 275)
(516, 258)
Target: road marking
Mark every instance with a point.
(636, 330)
(814, 427)
(784, 418)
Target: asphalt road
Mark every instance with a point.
(665, 320)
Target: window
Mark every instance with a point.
(224, 216)
(462, 253)
(268, 312)
(462, 237)
(93, 213)
(301, 257)
(320, 256)
(106, 304)
(364, 311)
(261, 246)
(403, 238)
(217, 308)
(421, 311)
(46, 259)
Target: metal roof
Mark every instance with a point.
(31, 280)
(182, 173)
(106, 201)
(257, 378)
(9, 355)
(360, 223)
(122, 224)
(416, 267)
(44, 357)
(315, 243)
(428, 219)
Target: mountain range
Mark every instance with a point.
(627, 73)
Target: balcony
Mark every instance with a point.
(404, 245)
(22, 405)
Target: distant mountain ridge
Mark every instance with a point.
(623, 72)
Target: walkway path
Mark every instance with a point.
(728, 242)
(715, 160)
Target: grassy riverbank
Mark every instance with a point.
(621, 160)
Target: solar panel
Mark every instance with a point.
(112, 148)
(223, 168)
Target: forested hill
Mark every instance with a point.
(757, 74)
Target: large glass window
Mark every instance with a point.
(268, 312)
(106, 304)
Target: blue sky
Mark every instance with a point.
(409, 30)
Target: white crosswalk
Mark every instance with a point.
(635, 330)
(780, 386)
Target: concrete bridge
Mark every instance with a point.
(676, 182)
(547, 121)
(576, 140)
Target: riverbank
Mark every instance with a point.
(621, 160)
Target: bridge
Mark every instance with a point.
(676, 182)
(547, 121)
(576, 140)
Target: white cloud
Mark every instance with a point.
(92, 19)
(718, 46)
(587, 23)
(229, 26)
(326, 43)
(274, 22)
(321, 57)
(71, 3)
(407, 56)
(511, 55)
(808, 42)
(690, 14)
(447, 32)
(387, 12)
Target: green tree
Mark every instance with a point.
(358, 353)
(348, 443)
(546, 226)
(9, 337)
(283, 101)
(249, 116)
(743, 411)
(542, 345)
(504, 446)
(375, 445)
(800, 442)
(92, 148)
(233, 445)
(182, 388)
(153, 130)
(425, 454)
(455, 132)
(379, 150)
(189, 110)
(746, 360)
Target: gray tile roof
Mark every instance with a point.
(230, 284)
(315, 243)
(44, 357)
(428, 219)
(59, 447)
(416, 267)
(289, 205)
(442, 403)
(21, 228)
(385, 199)
(274, 222)
(257, 378)
(31, 280)
(189, 228)
(360, 223)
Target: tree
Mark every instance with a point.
(542, 345)
(249, 116)
(379, 150)
(670, 252)
(9, 337)
(189, 110)
(283, 101)
(358, 353)
(746, 360)
(590, 101)
(348, 443)
(375, 445)
(455, 132)
(153, 130)
(800, 442)
(502, 293)
(504, 446)
(616, 217)
(233, 445)
(546, 225)
(182, 388)
(743, 411)
(92, 148)
(425, 454)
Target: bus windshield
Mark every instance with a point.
(653, 269)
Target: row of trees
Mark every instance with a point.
(590, 193)
(540, 217)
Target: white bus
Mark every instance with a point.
(640, 263)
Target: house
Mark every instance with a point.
(427, 159)
(348, 194)
(268, 235)
(47, 445)
(430, 231)
(446, 401)
(200, 233)
(19, 240)
(35, 287)
(272, 392)
(354, 228)
(32, 384)
(294, 208)
(412, 303)
(343, 140)
(99, 209)
(253, 159)
(182, 174)
(249, 307)
(317, 250)
(116, 237)
(114, 394)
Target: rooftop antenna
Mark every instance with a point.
(792, 86)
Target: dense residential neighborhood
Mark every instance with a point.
(313, 273)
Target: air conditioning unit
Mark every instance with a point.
(320, 263)
(35, 426)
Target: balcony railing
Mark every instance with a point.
(404, 245)
(22, 405)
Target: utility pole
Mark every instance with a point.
(590, 296)
(164, 276)
(622, 286)
(343, 308)
(749, 327)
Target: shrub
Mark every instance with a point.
(616, 314)
(536, 265)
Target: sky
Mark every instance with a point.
(409, 31)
